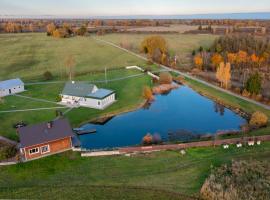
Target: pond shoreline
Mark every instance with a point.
(236, 110)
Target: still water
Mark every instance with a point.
(182, 114)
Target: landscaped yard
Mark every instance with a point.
(161, 175)
(126, 100)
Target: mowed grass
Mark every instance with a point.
(29, 55)
(128, 91)
(160, 175)
(181, 45)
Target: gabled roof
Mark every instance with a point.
(81, 89)
(101, 94)
(10, 83)
(40, 133)
(78, 89)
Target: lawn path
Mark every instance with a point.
(188, 76)
(35, 99)
(33, 109)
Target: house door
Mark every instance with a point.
(9, 91)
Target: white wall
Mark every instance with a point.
(89, 102)
(13, 90)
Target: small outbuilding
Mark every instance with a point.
(87, 95)
(45, 139)
(11, 86)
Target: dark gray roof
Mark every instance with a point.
(101, 93)
(40, 133)
(10, 83)
(82, 89)
(78, 89)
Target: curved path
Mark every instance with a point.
(188, 76)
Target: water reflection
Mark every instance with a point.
(181, 114)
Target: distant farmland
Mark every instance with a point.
(29, 55)
(181, 45)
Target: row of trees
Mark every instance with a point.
(64, 31)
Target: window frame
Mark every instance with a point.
(34, 152)
(48, 147)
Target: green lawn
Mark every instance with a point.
(161, 175)
(181, 45)
(29, 55)
(128, 91)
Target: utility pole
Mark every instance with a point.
(106, 75)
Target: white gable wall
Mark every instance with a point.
(12, 90)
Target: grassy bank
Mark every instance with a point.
(141, 176)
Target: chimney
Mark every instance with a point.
(49, 125)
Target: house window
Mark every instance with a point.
(33, 151)
(45, 149)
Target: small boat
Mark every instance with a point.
(83, 132)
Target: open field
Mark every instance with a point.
(179, 28)
(127, 177)
(29, 55)
(181, 45)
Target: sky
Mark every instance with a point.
(129, 7)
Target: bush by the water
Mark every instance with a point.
(165, 78)
(148, 139)
(258, 119)
(148, 94)
(243, 180)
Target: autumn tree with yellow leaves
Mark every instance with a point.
(155, 47)
(216, 59)
(198, 61)
(223, 74)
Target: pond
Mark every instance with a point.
(180, 115)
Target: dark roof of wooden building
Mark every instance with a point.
(44, 132)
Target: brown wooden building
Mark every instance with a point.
(45, 139)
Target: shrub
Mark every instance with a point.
(242, 180)
(148, 139)
(58, 98)
(258, 119)
(156, 139)
(245, 93)
(48, 75)
(148, 94)
(7, 152)
(253, 84)
(165, 78)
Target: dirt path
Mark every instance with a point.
(189, 76)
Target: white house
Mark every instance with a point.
(12, 86)
(86, 95)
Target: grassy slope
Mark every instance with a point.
(128, 176)
(30, 55)
(180, 44)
